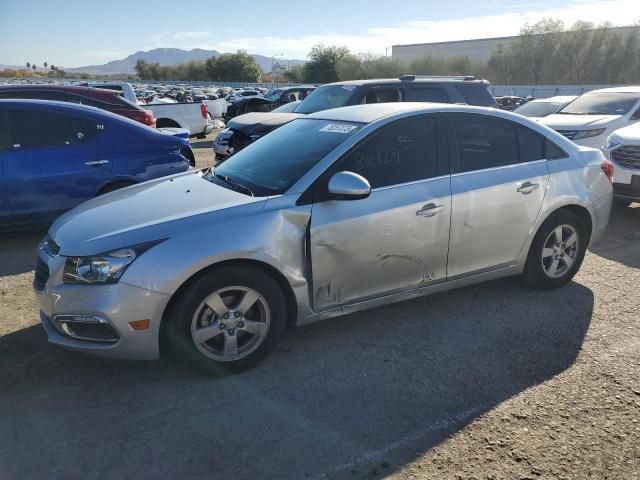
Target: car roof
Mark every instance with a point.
(416, 79)
(68, 107)
(627, 89)
(372, 112)
(77, 89)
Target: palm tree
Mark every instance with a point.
(28, 65)
(34, 67)
(45, 67)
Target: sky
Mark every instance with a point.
(72, 33)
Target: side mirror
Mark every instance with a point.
(348, 186)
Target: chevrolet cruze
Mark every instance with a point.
(335, 212)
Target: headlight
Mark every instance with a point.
(610, 143)
(588, 133)
(104, 268)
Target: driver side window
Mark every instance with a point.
(404, 151)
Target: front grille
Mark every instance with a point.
(41, 276)
(568, 133)
(627, 156)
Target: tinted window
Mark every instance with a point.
(485, 142)
(40, 129)
(383, 95)
(475, 94)
(405, 151)
(554, 152)
(538, 109)
(45, 129)
(39, 95)
(273, 163)
(4, 130)
(530, 144)
(430, 95)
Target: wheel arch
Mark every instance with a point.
(165, 122)
(270, 270)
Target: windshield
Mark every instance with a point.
(602, 104)
(538, 109)
(270, 165)
(324, 98)
(273, 95)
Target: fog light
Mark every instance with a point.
(90, 328)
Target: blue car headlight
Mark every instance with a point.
(103, 268)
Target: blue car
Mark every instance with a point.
(56, 155)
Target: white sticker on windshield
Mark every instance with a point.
(338, 128)
(349, 88)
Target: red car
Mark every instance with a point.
(96, 97)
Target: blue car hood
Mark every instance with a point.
(149, 211)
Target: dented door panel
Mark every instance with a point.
(362, 249)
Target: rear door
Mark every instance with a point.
(499, 178)
(396, 239)
(55, 161)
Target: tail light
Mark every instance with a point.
(607, 168)
(149, 119)
(203, 110)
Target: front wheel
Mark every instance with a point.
(228, 320)
(556, 252)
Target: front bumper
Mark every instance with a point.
(626, 181)
(117, 304)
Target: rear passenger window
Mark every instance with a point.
(4, 130)
(485, 142)
(530, 144)
(31, 129)
(554, 152)
(383, 95)
(405, 151)
(476, 94)
(436, 95)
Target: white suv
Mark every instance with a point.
(592, 117)
(623, 148)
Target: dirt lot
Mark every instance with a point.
(489, 382)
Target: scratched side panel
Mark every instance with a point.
(366, 248)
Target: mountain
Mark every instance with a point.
(167, 56)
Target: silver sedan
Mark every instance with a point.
(336, 212)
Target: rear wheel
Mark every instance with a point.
(556, 252)
(229, 320)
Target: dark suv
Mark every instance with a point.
(244, 129)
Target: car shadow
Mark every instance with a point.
(352, 397)
(623, 229)
(18, 251)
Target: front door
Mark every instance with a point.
(55, 162)
(397, 238)
(499, 178)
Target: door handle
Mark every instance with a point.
(95, 163)
(430, 210)
(527, 187)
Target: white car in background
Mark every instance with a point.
(543, 107)
(592, 117)
(623, 149)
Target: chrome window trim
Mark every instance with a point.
(501, 167)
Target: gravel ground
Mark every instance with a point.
(493, 381)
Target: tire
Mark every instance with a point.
(112, 187)
(254, 332)
(539, 270)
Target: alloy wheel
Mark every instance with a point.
(560, 251)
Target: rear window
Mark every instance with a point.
(476, 94)
(538, 109)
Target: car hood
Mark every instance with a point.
(577, 122)
(628, 135)
(153, 210)
(259, 121)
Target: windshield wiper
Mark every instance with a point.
(235, 185)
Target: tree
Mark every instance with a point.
(28, 65)
(324, 60)
(33, 67)
(295, 74)
(237, 67)
(45, 66)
